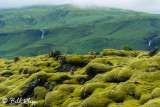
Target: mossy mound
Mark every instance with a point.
(93, 69)
(156, 93)
(97, 100)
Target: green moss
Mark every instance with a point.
(89, 88)
(74, 59)
(125, 74)
(91, 53)
(113, 104)
(96, 100)
(50, 70)
(72, 102)
(40, 103)
(20, 90)
(4, 90)
(143, 89)
(71, 81)
(145, 98)
(93, 69)
(76, 79)
(122, 53)
(147, 76)
(131, 103)
(77, 92)
(55, 64)
(67, 88)
(80, 71)
(55, 98)
(58, 78)
(2, 79)
(6, 73)
(112, 76)
(40, 92)
(153, 103)
(42, 63)
(117, 96)
(115, 81)
(75, 104)
(156, 93)
(128, 88)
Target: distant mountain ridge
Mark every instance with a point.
(74, 30)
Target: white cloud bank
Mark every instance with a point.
(151, 6)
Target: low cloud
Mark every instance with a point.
(150, 6)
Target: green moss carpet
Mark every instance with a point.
(111, 78)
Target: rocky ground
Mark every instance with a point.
(111, 78)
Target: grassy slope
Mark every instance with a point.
(74, 30)
(111, 79)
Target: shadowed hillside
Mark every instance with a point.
(111, 78)
(68, 27)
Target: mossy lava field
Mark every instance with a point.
(110, 78)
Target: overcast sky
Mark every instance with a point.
(151, 6)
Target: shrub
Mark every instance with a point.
(127, 47)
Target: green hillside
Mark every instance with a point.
(74, 30)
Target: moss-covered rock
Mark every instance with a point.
(122, 53)
(128, 88)
(97, 100)
(93, 69)
(55, 98)
(152, 103)
(58, 78)
(74, 60)
(112, 76)
(40, 92)
(143, 89)
(117, 96)
(23, 89)
(156, 93)
(40, 103)
(89, 88)
(145, 98)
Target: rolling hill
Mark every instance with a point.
(74, 30)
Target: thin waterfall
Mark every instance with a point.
(43, 33)
(150, 43)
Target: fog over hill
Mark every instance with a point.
(151, 6)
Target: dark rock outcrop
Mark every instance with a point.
(154, 51)
(55, 54)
